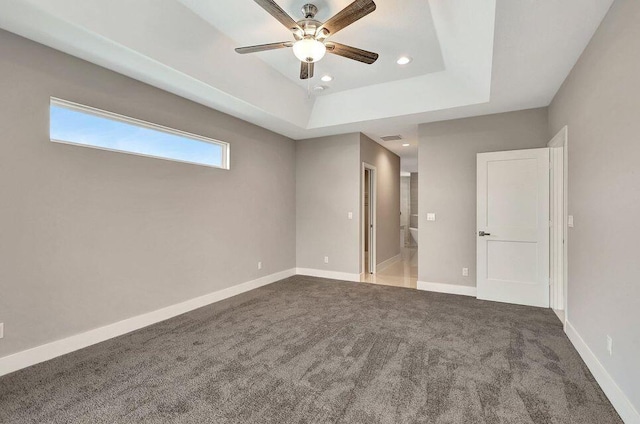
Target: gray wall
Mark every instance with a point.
(447, 185)
(90, 237)
(327, 189)
(387, 166)
(600, 103)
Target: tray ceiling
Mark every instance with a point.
(186, 47)
(394, 29)
(471, 57)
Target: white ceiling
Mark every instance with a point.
(472, 57)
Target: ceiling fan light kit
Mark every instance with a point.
(309, 50)
(311, 37)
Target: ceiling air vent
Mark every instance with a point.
(391, 138)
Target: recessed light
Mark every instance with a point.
(406, 145)
(404, 60)
(327, 78)
(320, 88)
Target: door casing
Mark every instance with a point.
(559, 216)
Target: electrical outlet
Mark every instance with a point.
(326, 259)
(465, 272)
(1, 330)
(350, 215)
(609, 345)
(259, 265)
(431, 216)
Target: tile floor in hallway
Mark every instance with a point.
(402, 273)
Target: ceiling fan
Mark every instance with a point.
(311, 36)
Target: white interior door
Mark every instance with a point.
(513, 227)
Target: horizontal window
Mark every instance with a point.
(72, 123)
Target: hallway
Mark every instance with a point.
(402, 273)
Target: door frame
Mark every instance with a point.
(560, 179)
(372, 217)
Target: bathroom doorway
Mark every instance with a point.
(409, 222)
(368, 220)
(402, 269)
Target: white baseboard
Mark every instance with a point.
(382, 265)
(61, 347)
(560, 314)
(333, 275)
(618, 399)
(447, 288)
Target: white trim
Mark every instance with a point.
(332, 275)
(70, 344)
(390, 261)
(562, 140)
(373, 199)
(618, 399)
(560, 314)
(557, 223)
(447, 288)
(54, 101)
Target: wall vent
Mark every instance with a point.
(391, 138)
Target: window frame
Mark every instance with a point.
(100, 113)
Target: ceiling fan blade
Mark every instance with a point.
(355, 11)
(306, 70)
(263, 47)
(276, 11)
(352, 53)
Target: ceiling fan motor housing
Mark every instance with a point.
(309, 11)
(309, 27)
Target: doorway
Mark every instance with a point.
(400, 270)
(368, 220)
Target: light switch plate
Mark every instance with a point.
(431, 216)
(465, 272)
(350, 215)
(259, 265)
(1, 330)
(570, 221)
(326, 259)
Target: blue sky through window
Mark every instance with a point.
(69, 125)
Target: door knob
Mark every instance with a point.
(482, 234)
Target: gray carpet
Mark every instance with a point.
(308, 350)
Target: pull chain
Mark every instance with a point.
(308, 83)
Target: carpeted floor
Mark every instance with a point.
(308, 350)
